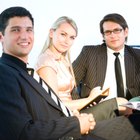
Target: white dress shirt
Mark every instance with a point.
(110, 79)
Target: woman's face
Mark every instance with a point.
(63, 37)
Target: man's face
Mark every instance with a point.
(18, 37)
(114, 35)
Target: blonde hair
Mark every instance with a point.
(55, 26)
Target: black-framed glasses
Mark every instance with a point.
(115, 31)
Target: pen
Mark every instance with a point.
(87, 86)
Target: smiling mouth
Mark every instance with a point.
(64, 46)
(24, 44)
(114, 41)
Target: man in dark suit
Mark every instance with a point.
(95, 64)
(27, 110)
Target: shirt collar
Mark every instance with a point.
(52, 54)
(112, 51)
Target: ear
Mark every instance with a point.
(126, 32)
(103, 37)
(1, 36)
(51, 33)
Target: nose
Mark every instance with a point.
(68, 40)
(24, 35)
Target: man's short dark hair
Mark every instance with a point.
(114, 17)
(13, 12)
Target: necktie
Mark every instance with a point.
(56, 99)
(119, 79)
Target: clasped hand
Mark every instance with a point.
(87, 122)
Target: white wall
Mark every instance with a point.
(86, 13)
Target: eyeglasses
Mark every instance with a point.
(115, 31)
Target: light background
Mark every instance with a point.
(86, 13)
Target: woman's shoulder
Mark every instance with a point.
(46, 59)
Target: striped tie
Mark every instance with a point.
(49, 91)
(66, 111)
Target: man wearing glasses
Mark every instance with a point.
(112, 64)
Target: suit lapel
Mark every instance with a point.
(40, 90)
(130, 68)
(101, 65)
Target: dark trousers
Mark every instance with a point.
(119, 128)
(91, 137)
(104, 110)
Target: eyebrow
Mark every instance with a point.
(114, 29)
(21, 27)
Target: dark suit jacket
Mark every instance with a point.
(26, 111)
(90, 68)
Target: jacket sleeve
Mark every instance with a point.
(80, 65)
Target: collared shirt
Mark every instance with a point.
(61, 67)
(110, 79)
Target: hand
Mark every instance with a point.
(122, 109)
(75, 112)
(128, 111)
(94, 93)
(87, 122)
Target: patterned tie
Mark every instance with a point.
(56, 99)
(119, 79)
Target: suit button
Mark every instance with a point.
(71, 138)
(67, 138)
